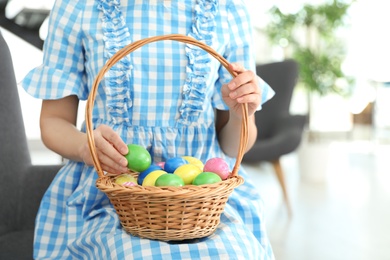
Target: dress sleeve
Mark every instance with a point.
(62, 70)
(240, 50)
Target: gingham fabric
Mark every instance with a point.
(162, 97)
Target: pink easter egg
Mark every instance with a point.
(161, 164)
(129, 184)
(218, 166)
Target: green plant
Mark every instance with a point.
(310, 37)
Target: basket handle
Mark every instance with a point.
(130, 48)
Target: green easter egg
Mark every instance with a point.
(138, 158)
(169, 180)
(206, 178)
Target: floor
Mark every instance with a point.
(343, 215)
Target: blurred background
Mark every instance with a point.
(337, 180)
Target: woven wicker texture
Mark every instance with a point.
(166, 213)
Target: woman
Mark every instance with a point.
(162, 97)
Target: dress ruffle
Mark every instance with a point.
(116, 36)
(203, 29)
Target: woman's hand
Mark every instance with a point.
(59, 133)
(242, 89)
(110, 150)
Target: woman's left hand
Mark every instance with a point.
(243, 88)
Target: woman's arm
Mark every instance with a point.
(242, 89)
(59, 133)
(229, 129)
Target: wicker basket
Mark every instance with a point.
(166, 213)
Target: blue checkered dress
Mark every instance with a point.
(162, 97)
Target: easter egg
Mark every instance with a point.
(206, 178)
(173, 163)
(151, 178)
(123, 178)
(161, 164)
(129, 184)
(142, 175)
(169, 180)
(194, 161)
(187, 172)
(138, 158)
(218, 166)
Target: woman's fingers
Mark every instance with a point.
(110, 165)
(245, 93)
(237, 67)
(243, 77)
(113, 138)
(243, 88)
(111, 149)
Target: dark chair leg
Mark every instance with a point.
(280, 175)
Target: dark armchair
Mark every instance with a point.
(280, 132)
(22, 184)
